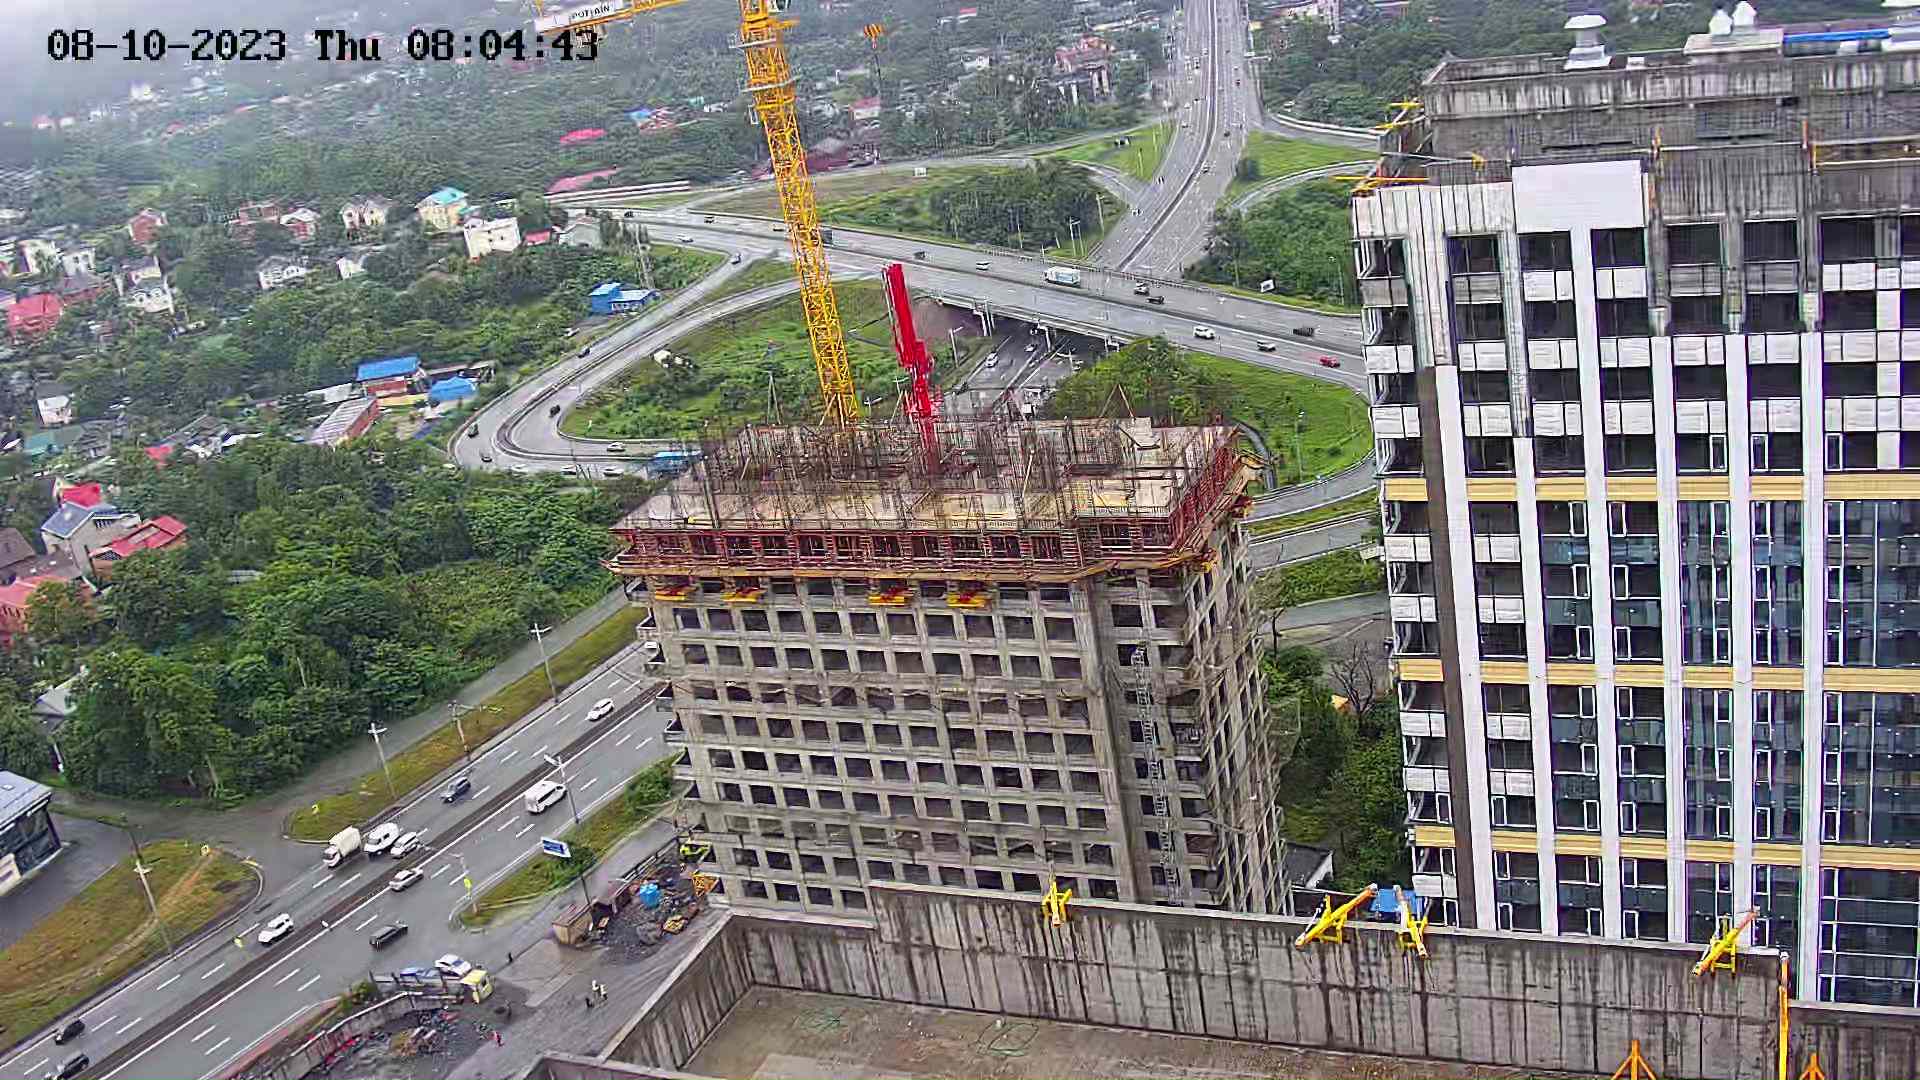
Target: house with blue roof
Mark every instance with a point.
(442, 210)
(451, 389)
(612, 298)
(77, 530)
(396, 367)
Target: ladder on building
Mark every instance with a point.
(1144, 714)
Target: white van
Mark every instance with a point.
(542, 795)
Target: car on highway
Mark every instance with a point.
(778, 227)
(276, 928)
(1328, 361)
(406, 879)
(982, 264)
(570, 470)
(736, 259)
(553, 409)
(455, 788)
(1263, 344)
(452, 966)
(407, 843)
(473, 431)
(387, 935)
(542, 795)
(588, 351)
(994, 361)
(1303, 331)
(1204, 333)
(1206, 168)
(75, 1065)
(1140, 288)
(517, 470)
(613, 470)
(382, 838)
(1156, 299)
(486, 458)
(601, 710)
(616, 448)
(69, 1033)
(685, 238)
(708, 219)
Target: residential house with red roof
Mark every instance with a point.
(157, 535)
(34, 316)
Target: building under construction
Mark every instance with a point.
(993, 654)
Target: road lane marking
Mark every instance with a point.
(240, 989)
(644, 742)
(503, 761)
(108, 1020)
(542, 750)
(443, 869)
(370, 919)
(205, 1033)
(250, 929)
(523, 832)
(287, 976)
(215, 971)
(483, 791)
(590, 783)
(35, 1067)
(128, 1026)
(318, 883)
(351, 880)
(624, 738)
(218, 1045)
(505, 825)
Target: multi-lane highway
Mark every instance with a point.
(187, 1015)
(1215, 96)
(521, 429)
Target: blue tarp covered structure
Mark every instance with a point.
(452, 389)
(387, 369)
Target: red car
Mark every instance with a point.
(1328, 361)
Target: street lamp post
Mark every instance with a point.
(141, 870)
(1298, 467)
(562, 766)
(540, 635)
(376, 731)
(473, 902)
(953, 342)
(1073, 235)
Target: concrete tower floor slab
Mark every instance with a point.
(777, 1034)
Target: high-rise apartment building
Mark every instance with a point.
(1644, 338)
(1021, 659)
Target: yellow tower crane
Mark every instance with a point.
(770, 81)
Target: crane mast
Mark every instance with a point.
(770, 81)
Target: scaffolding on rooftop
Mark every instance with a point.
(1031, 499)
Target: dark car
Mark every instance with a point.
(554, 409)
(75, 1065)
(1156, 299)
(473, 432)
(1303, 331)
(456, 787)
(920, 255)
(70, 1032)
(588, 351)
(387, 935)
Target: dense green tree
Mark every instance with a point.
(158, 598)
(59, 612)
(1298, 238)
(1149, 377)
(24, 747)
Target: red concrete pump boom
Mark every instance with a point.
(923, 401)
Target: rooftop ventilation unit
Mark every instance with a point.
(1587, 51)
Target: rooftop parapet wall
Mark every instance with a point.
(1505, 1000)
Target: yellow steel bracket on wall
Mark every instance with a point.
(1720, 955)
(1054, 903)
(1413, 931)
(1332, 921)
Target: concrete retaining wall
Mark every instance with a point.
(1857, 1042)
(1504, 1000)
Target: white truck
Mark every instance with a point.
(1062, 275)
(345, 843)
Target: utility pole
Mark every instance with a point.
(539, 634)
(1298, 466)
(141, 869)
(562, 766)
(376, 731)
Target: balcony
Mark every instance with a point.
(1496, 548)
(1423, 723)
(1417, 548)
(1510, 782)
(1487, 420)
(1396, 421)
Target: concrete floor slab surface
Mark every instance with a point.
(792, 1035)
